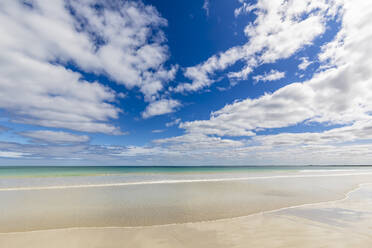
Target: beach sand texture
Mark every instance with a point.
(315, 211)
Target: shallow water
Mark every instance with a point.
(67, 171)
(342, 223)
(37, 198)
(163, 202)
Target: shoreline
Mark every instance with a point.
(307, 225)
(167, 202)
(345, 197)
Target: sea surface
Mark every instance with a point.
(67, 171)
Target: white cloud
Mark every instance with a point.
(141, 151)
(121, 39)
(241, 75)
(335, 146)
(339, 93)
(244, 8)
(304, 64)
(358, 131)
(157, 131)
(55, 136)
(277, 33)
(5, 154)
(160, 107)
(173, 123)
(198, 142)
(287, 106)
(271, 76)
(132, 52)
(49, 95)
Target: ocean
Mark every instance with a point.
(67, 171)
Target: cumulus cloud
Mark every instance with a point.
(270, 76)
(160, 107)
(55, 137)
(340, 93)
(242, 118)
(338, 97)
(119, 39)
(63, 100)
(280, 29)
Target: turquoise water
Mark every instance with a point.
(57, 171)
(63, 171)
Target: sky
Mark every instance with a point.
(203, 82)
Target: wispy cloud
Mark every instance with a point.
(304, 64)
(5, 154)
(158, 131)
(123, 41)
(173, 123)
(336, 95)
(265, 43)
(244, 8)
(336, 98)
(270, 76)
(55, 136)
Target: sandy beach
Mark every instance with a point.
(306, 209)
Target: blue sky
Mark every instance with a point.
(90, 82)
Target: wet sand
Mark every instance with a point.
(209, 214)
